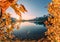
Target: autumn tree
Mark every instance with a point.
(6, 24)
(53, 23)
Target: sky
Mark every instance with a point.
(35, 8)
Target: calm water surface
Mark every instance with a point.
(30, 30)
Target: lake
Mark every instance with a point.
(30, 30)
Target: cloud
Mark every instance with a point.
(28, 16)
(25, 16)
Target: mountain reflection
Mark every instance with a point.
(38, 23)
(30, 30)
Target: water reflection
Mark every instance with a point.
(30, 30)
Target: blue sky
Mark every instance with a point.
(36, 8)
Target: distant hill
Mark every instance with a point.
(39, 19)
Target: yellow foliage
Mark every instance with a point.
(6, 24)
(53, 31)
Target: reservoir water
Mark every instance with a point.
(30, 30)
